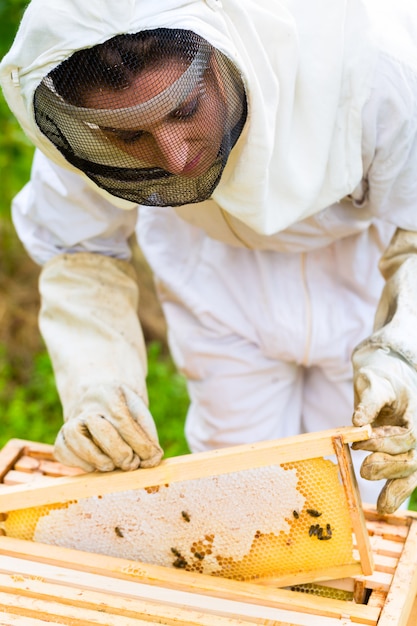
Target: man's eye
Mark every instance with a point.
(126, 136)
(186, 111)
(131, 136)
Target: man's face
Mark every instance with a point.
(186, 140)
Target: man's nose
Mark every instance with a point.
(173, 149)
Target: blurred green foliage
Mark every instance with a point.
(15, 158)
(168, 400)
(31, 411)
(11, 12)
(15, 149)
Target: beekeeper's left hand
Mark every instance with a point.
(386, 398)
(385, 378)
(109, 427)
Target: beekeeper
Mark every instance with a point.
(266, 155)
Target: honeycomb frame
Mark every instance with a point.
(304, 524)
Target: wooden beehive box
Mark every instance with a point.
(42, 584)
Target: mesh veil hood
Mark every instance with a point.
(306, 67)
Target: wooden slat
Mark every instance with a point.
(318, 575)
(403, 589)
(25, 590)
(377, 598)
(180, 579)
(393, 533)
(30, 464)
(400, 518)
(345, 584)
(20, 570)
(75, 607)
(6, 619)
(26, 464)
(380, 581)
(386, 564)
(386, 547)
(39, 450)
(188, 467)
(412, 620)
(53, 468)
(52, 611)
(9, 455)
(355, 509)
(14, 477)
(359, 591)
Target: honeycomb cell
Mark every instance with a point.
(324, 592)
(246, 525)
(22, 524)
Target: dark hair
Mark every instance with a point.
(115, 63)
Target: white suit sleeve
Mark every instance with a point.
(59, 212)
(390, 145)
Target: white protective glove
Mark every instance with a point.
(385, 378)
(89, 322)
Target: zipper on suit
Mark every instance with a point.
(308, 314)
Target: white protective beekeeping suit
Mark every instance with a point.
(269, 285)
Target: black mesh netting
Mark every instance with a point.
(150, 117)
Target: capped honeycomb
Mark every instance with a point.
(245, 525)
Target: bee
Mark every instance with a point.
(180, 563)
(185, 516)
(327, 536)
(313, 513)
(319, 532)
(118, 531)
(199, 556)
(313, 530)
(296, 514)
(176, 553)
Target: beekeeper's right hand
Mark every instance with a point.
(90, 325)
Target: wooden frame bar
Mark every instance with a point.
(355, 509)
(188, 467)
(186, 581)
(403, 590)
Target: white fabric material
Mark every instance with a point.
(288, 56)
(86, 221)
(58, 212)
(266, 345)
